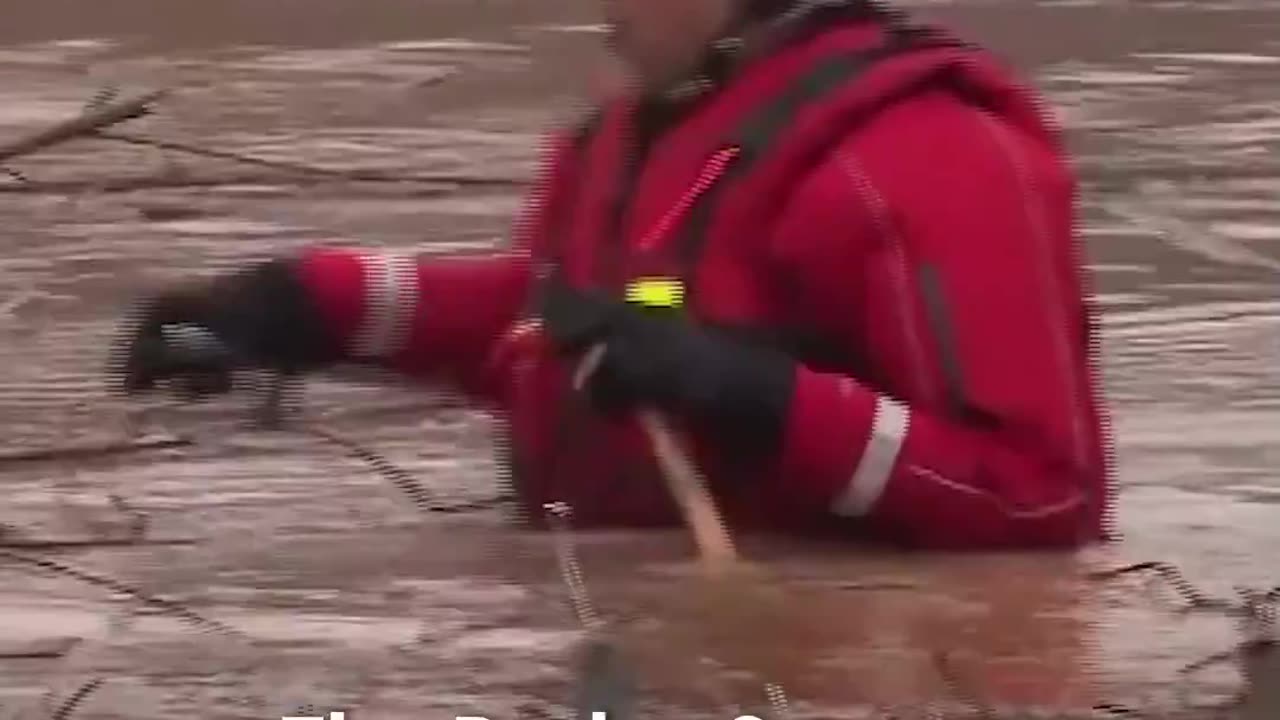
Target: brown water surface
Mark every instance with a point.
(350, 600)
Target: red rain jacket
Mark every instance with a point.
(900, 206)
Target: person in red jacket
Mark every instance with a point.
(874, 311)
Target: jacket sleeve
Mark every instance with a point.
(422, 317)
(430, 317)
(977, 423)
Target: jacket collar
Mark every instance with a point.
(766, 26)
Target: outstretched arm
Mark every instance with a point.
(419, 316)
(428, 318)
(436, 317)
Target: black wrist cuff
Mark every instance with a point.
(265, 312)
(750, 401)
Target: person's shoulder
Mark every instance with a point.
(939, 138)
(909, 137)
(934, 153)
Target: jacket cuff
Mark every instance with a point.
(753, 401)
(842, 443)
(267, 311)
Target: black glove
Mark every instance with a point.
(257, 317)
(740, 392)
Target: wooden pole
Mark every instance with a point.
(690, 491)
(684, 481)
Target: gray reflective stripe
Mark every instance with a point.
(935, 304)
(888, 431)
(873, 201)
(391, 301)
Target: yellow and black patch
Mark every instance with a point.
(656, 292)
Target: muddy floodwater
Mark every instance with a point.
(323, 588)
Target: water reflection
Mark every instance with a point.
(1174, 109)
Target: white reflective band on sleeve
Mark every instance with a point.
(391, 300)
(888, 430)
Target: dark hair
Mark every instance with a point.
(865, 9)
